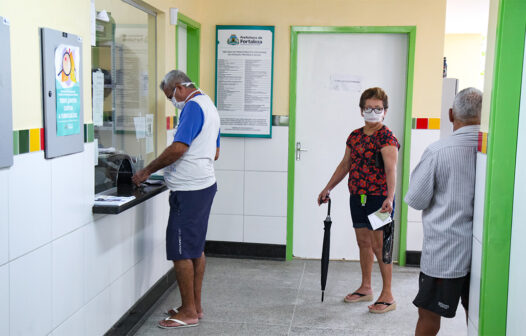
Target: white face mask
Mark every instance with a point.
(370, 115)
(180, 105)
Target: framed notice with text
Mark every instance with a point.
(244, 76)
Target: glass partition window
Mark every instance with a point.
(124, 88)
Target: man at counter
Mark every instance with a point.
(190, 176)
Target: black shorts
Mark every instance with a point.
(441, 296)
(359, 213)
(188, 223)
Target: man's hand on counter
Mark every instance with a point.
(141, 176)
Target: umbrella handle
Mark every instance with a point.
(329, 208)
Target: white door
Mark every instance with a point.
(332, 71)
(181, 46)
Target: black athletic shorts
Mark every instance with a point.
(441, 296)
(359, 213)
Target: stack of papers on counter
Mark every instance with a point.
(107, 200)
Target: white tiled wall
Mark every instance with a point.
(69, 275)
(476, 258)
(251, 201)
(29, 203)
(79, 272)
(30, 287)
(4, 300)
(4, 216)
(420, 140)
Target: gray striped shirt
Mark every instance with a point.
(443, 186)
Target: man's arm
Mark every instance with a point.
(422, 183)
(217, 154)
(171, 154)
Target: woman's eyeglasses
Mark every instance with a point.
(375, 110)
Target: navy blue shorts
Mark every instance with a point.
(359, 213)
(188, 223)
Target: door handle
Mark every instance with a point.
(299, 149)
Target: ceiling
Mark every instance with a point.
(467, 16)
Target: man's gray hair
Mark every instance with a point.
(467, 104)
(175, 77)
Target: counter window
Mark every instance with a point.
(124, 88)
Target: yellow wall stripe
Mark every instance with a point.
(34, 140)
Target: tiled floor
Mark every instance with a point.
(259, 297)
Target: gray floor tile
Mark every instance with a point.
(257, 297)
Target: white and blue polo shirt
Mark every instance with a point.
(199, 129)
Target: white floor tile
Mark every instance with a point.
(30, 291)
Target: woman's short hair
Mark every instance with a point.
(374, 93)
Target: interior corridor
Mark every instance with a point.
(261, 297)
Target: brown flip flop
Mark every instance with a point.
(361, 297)
(389, 307)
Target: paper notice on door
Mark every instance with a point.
(379, 219)
(140, 127)
(344, 82)
(98, 97)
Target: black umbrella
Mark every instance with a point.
(325, 250)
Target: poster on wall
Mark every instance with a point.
(244, 76)
(67, 89)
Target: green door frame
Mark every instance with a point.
(500, 173)
(295, 31)
(193, 31)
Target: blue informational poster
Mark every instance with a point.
(67, 90)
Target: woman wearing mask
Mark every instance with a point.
(372, 186)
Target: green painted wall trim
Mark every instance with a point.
(16, 144)
(193, 46)
(188, 21)
(295, 30)
(407, 143)
(500, 174)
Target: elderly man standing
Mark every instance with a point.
(443, 186)
(191, 179)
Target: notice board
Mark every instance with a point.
(244, 79)
(62, 93)
(6, 107)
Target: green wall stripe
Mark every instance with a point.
(407, 143)
(23, 141)
(15, 143)
(91, 133)
(500, 174)
(292, 139)
(295, 30)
